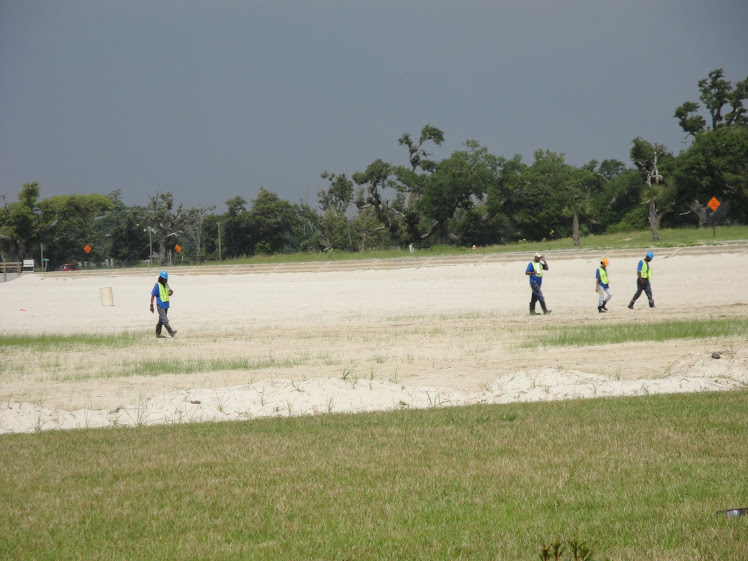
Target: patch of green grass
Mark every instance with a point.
(54, 342)
(163, 366)
(634, 478)
(586, 335)
(669, 237)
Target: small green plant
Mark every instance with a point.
(297, 386)
(554, 551)
(436, 401)
(263, 397)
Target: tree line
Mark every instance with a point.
(470, 197)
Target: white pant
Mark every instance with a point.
(601, 293)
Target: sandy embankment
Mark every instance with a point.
(360, 340)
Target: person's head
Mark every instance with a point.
(605, 262)
(163, 277)
(538, 257)
(649, 256)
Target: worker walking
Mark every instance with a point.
(535, 271)
(161, 292)
(643, 281)
(602, 286)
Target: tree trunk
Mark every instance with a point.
(575, 230)
(161, 251)
(654, 221)
(700, 211)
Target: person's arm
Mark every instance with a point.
(530, 270)
(545, 263)
(151, 303)
(640, 280)
(597, 279)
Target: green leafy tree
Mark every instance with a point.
(715, 165)
(537, 203)
(334, 231)
(76, 227)
(374, 183)
(273, 223)
(235, 228)
(723, 101)
(368, 232)
(411, 180)
(23, 224)
(307, 236)
(122, 231)
(616, 192)
(339, 195)
(451, 191)
(581, 187)
(165, 221)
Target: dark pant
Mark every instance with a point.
(163, 320)
(645, 287)
(537, 295)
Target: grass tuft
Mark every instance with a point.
(588, 335)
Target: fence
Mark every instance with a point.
(11, 267)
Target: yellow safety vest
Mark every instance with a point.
(163, 292)
(603, 275)
(646, 270)
(538, 268)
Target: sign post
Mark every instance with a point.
(714, 205)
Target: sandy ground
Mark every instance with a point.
(426, 334)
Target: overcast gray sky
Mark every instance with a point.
(213, 99)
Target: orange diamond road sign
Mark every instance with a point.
(178, 248)
(713, 203)
(87, 249)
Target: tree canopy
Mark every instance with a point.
(467, 197)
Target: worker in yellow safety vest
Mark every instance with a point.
(643, 280)
(602, 286)
(161, 293)
(535, 270)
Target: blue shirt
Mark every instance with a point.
(534, 277)
(155, 292)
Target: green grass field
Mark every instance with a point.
(681, 237)
(634, 478)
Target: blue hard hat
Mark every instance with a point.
(650, 255)
(164, 275)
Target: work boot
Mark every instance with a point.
(652, 304)
(631, 305)
(601, 309)
(545, 310)
(171, 331)
(158, 332)
(605, 306)
(532, 309)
